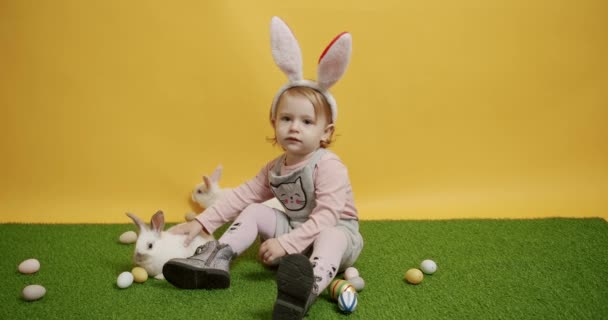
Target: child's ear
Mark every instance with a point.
(327, 132)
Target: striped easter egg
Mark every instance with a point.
(338, 286)
(347, 302)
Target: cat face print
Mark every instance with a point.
(291, 194)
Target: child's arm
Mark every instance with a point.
(333, 199)
(233, 201)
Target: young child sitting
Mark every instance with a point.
(318, 234)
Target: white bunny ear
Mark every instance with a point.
(208, 182)
(137, 221)
(217, 173)
(334, 61)
(285, 49)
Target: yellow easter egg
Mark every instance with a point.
(190, 216)
(414, 276)
(139, 274)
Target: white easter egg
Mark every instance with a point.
(358, 283)
(347, 302)
(128, 237)
(124, 280)
(350, 273)
(428, 266)
(33, 292)
(29, 266)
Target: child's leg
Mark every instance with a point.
(301, 279)
(209, 267)
(328, 250)
(255, 219)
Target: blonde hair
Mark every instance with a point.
(318, 102)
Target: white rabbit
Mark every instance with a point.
(208, 192)
(154, 247)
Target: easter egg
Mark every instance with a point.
(358, 283)
(139, 274)
(350, 273)
(29, 266)
(336, 288)
(33, 292)
(128, 237)
(190, 216)
(124, 280)
(347, 302)
(414, 276)
(428, 266)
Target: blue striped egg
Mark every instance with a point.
(347, 302)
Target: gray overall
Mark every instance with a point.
(296, 193)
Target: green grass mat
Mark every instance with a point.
(488, 269)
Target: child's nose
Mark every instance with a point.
(295, 126)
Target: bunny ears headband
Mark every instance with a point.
(288, 57)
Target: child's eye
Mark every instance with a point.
(308, 122)
(150, 245)
(284, 118)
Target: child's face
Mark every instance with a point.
(297, 129)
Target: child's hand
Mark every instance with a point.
(271, 250)
(190, 229)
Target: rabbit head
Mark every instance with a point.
(208, 191)
(154, 247)
(148, 240)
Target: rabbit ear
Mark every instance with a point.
(140, 224)
(285, 49)
(158, 221)
(217, 174)
(208, 182)
(334, 60)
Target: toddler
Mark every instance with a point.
(318, 234)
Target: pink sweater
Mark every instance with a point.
(334, 201)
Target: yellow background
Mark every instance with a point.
(450, 109)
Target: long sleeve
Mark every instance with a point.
(233, 201)
(334, 201)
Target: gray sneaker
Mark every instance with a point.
(295, 280)
(208, 268)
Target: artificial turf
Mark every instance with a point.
(487, 269)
